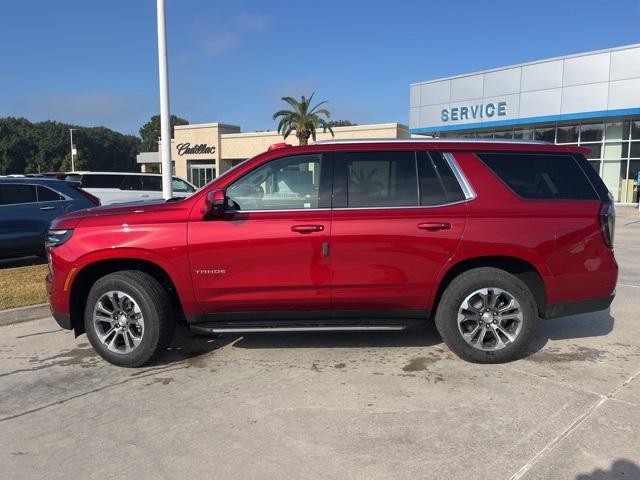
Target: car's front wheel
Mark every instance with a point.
(128, 318)
(487, 315)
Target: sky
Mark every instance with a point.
(94, 62)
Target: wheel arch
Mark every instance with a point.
(522, 269)
(90, 273)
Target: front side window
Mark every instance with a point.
(15, 194)
(289, 183)
(381, 179)
(179, 185)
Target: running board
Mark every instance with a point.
(346, 326)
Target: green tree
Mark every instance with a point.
(341, 123)
(27, 147)
(150, 132)
(303, 118)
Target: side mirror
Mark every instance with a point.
(214, 204)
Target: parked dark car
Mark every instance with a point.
(27, 207)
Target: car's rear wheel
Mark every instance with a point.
(128, 318)
(487, 315)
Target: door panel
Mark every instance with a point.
(397, 220)
(263, 264)
(382, 259)
(269, 252)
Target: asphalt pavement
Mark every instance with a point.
(332, 405)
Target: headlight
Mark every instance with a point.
(56, 238)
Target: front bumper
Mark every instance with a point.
(63, 319)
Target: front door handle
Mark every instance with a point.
(49, 207)
(307, 228)
(434, 226)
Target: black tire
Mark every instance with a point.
(459, 289)
(154, 304)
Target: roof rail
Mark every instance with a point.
(430, 140)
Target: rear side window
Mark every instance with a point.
(541, 176)
(101, 181)
(153, 184)
(179, 185)
(47, 195)
(14, 194)
(130, 182)
(438, 184)
(381, 179)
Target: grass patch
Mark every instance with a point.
(22, 286)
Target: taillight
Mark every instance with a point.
(608, 223)
(92, 198)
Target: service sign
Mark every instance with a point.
(477, 111)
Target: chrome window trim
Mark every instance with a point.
(403, 207)
(467, 189)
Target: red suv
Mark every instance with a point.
(483, 237)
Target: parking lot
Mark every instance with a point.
(342, 405)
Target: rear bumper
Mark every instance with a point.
(575, 308)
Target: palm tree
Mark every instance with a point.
(303, 118)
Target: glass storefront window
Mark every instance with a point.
(617, 131)
(503, 134)
(524, 133)
(567, 134)
(591, 132)
(596, 150)
(546, 134)
(485, 134)
(611, 176)
(632, 184)
(616, 150)
(635, 150)
(635, 130)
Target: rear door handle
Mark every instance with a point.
(434, 226)
(47, 208)
(307, 228)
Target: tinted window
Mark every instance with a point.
(130, 182)
(47, 195)
(541, 176)
(381, 179)
(11, 194)
(153, 184)
(283, 184)
(101, 181)
(438, 184)
(181, 186)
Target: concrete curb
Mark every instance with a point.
(24, 314)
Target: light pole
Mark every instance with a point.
(73, 149)
(165, 126)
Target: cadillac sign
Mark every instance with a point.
(199, 149)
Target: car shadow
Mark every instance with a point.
(189, 346)
(595, 324)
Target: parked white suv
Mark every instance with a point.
(119, 187)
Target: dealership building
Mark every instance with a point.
(590, 99)
(200, 152)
